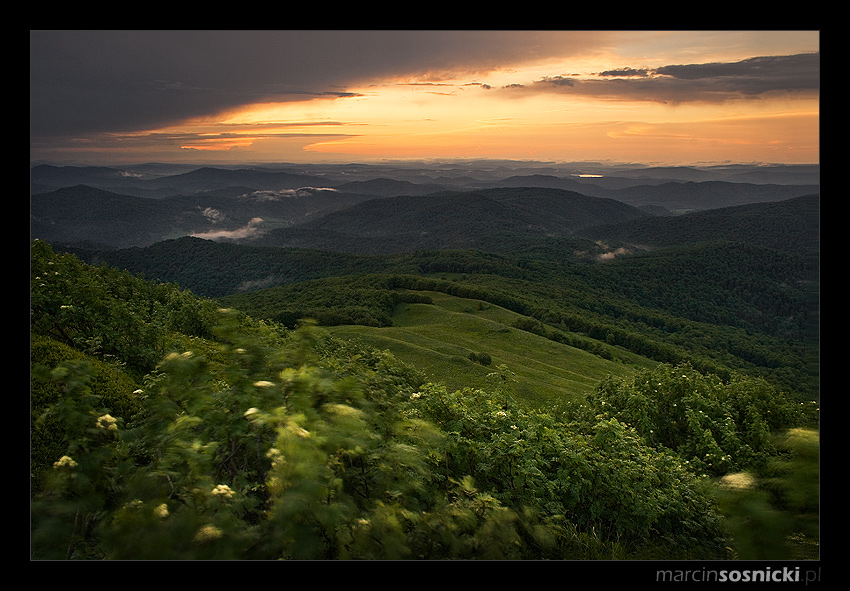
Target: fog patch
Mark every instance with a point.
(213, 215)
(251, 285)
(612, 254)
(606, 252)
(253, 228)
(272, 195)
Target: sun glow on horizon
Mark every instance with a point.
(484, 117)
(560, 109)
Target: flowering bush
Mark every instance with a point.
(718, 427)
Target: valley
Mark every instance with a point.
(574, 360)
(731, 286)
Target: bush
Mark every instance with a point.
(110, 389)
(261, 453)
(600, 480)
(716, 426)
(482, 358)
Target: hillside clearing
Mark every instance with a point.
(438, 339)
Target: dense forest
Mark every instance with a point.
(176, 414)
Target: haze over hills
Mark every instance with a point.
(158, 180)
(166, 201)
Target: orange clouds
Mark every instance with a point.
(514, 95)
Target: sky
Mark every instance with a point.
(231, 97)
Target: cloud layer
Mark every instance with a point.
(134, 80)
(293, 94)
(708, 82)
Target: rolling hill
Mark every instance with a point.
(444, 338)
(673, 196)
(792, 224)
(486, 220)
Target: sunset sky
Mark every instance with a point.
(231, 97)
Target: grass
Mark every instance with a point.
(438, 339)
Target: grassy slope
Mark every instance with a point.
(438, 338)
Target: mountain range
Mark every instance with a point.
(330, 207)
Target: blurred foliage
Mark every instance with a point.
(718, 426)
(166, 427)
(774, 512)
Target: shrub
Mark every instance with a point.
(716, 426)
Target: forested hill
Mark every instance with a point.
(791, 225)
(493, 220)
(786, 231)
(82, 214)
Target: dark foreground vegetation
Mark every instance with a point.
(166, 425)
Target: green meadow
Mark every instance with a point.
(438, 339)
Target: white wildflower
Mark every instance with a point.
(300, 431)
(107, 422)
(64, 461)
(223, 491)
(208, 533)
(275, 456)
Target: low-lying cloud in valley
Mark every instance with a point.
(253, 228)
(270, 195)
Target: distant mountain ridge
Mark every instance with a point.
(46, 178)
(792, 224)
(636, 186)
(136, 207)
(456, 220)
(85, 214)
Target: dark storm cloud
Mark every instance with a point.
(625, 72)
(97, 81)
(752, 77)
(755, 75)
(128, 80)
